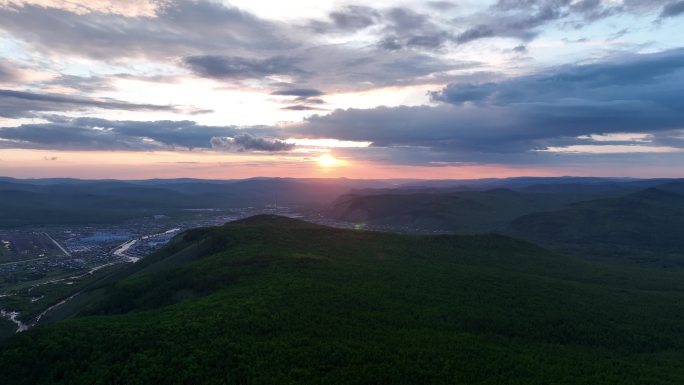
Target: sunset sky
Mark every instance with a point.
(135, 89)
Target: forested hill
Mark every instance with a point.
(270, 300)
(642, 226)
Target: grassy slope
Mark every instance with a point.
(275, 301)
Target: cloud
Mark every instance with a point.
(407, 19)
(129, 8)
(523, 20)
(390, 43)
(21, 103)
(524, 119)
(346, 19)
(368, 48)
(311, 100)
(101, 134)
(520, 48)
(82, 84)
(427, 41)
(248, 142)
(305, 98)
(7, 73)
(406, 28)
(477, 32)
(178, 28)
(441, 5)
(637, 78)
(354, 17)
(230, 67)
(337, 67)
(421, 28)
(513, 119)
(15, 74)
(219, 41)
(514, 19)
(300, 92)
(673, 9)
(68, 137)
(301, 107)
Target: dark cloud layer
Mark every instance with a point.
(505, 121)
(406, 28)
(83, 84)
(335, 67)
(522, 20)
(516, 117)
(102, 134)
(231, 67)
(180, 28)
(216, 40)
(302, 107)
(300, 92)
(347, 19)
(20, 104)
(248, 142)
(305, 98)
(673, 9)
(648, 79)
(219, 41)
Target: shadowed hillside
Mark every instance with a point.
(645, 225)
(463, 212)
(595, 221)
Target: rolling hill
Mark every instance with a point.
(646, 225)
(458, 211)
(271, 300)
(629, 223)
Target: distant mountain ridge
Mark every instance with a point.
(75, 202)
(623, 220)
(649, 221)
(460, 211)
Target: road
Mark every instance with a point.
(58, 245)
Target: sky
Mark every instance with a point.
(136, 89)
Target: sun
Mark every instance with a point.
(328, 161)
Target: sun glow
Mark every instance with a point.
(328, 161)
